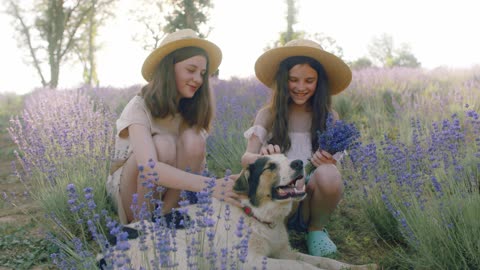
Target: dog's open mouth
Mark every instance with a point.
(289, 191)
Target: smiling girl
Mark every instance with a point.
(165, 126)
(303, 77)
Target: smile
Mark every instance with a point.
(302, 94)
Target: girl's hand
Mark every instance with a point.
(270, 150)
(322, 157)
(224, 190)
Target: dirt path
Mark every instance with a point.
(10, 184)
(16, 223)
(23, 209)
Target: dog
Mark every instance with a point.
(268, 188)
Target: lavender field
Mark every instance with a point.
(412, 194)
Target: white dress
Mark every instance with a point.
(301, 144)
(135, 112)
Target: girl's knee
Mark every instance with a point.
(192, 143)
(165, 146)
(327, 178)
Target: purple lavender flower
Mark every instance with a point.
(338, 136)
(264, 263)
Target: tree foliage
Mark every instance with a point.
(383, 52)
(193, 14)
(360, 63)
(160, 17)
(381, 49)
(87, 46)
(52, 31)
(291, 17)
(150, 15)
(405, 58)
(289, 34)
(328, 43)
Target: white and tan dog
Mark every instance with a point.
(269, 189)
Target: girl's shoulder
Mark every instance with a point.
(264, 117)
(136, 101)
(136, 105)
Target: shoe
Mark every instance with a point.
(174, 220)
(319, 244)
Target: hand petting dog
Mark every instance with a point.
(267, 189)
(223, 190)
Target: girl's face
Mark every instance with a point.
(189, 75)
(302, 83)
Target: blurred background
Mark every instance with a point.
(104, 42)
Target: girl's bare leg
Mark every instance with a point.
(191, 154)
(191, 151)
(167, 153)
(325, 190)
(130, 183)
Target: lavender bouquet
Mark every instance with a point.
(337, 137)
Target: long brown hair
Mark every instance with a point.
(161, 93)
(320, 102)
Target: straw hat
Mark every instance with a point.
(180, 39)
(338, 73)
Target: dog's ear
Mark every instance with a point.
(241, 184)
(248, 181)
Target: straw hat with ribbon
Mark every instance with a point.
(181, 39)
(338, 73)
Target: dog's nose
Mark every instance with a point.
(297, 164)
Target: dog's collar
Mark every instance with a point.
(249, 212)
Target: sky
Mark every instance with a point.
(439, 32)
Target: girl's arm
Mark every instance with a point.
(254, 145)
(252, 152)
(169, 176)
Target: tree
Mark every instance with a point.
(291, 17)
(150, 14)
(160, 17)
(381, 50)
(289, 34)
(86, 47)
(50, 32)
(384, 53)
(193, 14)
(405, 58)
(328, 43)
(360, 63)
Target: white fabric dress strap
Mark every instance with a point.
(258, 131)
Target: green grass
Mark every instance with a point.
(363, 228)
(10, 105)
(22, 248)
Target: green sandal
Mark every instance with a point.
(319, 244)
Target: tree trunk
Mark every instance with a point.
(55, 73)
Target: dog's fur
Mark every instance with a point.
(269, 188)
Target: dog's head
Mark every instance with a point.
(271, 178)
